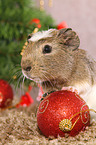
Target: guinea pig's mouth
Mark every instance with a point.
(35, 79)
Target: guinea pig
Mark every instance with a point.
(53, 59)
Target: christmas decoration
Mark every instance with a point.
(40, 94)
(62, 112)
(50, 3)
(15, 17)
(62, 25)
(6, 94)
(26, 43)
(26, 100)
(41, 3)
(36, 21)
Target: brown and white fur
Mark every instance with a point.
(66, 65)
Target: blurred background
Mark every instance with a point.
(20, 17)
(80, 15)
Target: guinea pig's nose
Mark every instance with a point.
(28, 68)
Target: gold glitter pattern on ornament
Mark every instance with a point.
(85, 116)
(79, 97)
(65, 125)
(43, 106)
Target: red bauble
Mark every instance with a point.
(26, 100)
(62, 25)
(36, 21)
(6, 94)
(62, 112)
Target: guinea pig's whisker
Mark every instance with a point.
(37, 80)
(16, 73)
(40, 81)
(44, 83)
(18, 82)
(22, 84)
(15, 69)
(45, 72)
(15, 66)
(48, 80)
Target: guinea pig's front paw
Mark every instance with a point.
(70, 88)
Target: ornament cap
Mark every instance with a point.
(65, 125)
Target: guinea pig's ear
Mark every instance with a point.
(68, 38)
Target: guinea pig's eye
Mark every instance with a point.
(47, 49)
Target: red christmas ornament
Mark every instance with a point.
(26, 100)
(41, 92)
(62, 112)
(36, 21)
(39, 26)
(6, 94)
(62, 25)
